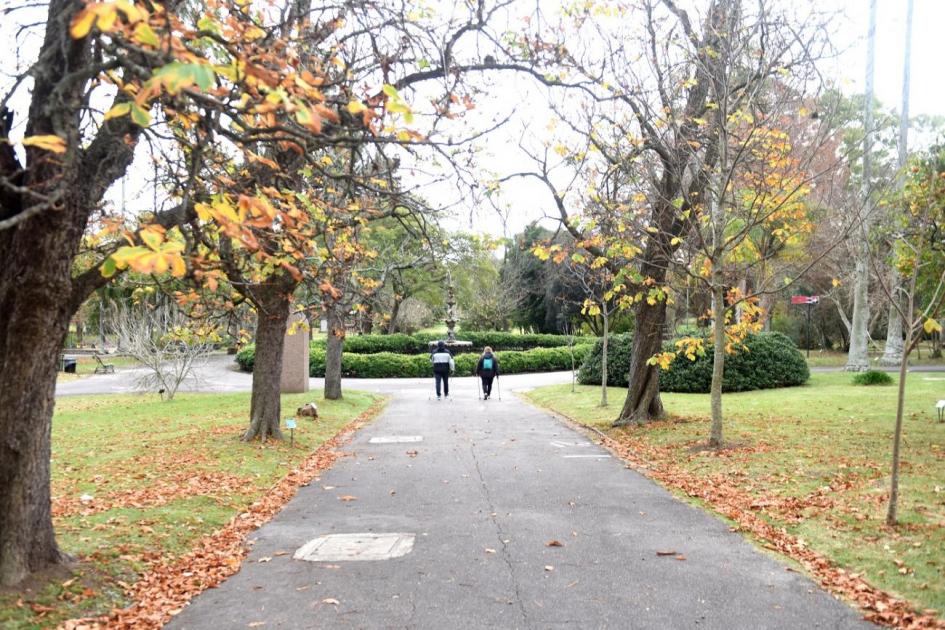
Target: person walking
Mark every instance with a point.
(443, 365)
(487, 369)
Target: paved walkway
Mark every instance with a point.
(481, 496)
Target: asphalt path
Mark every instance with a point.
(483, 495)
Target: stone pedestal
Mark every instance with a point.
(295, 356)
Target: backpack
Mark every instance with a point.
(487, 363)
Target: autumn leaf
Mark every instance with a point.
(51, 143)
(554, 543)
(347, 497)
(930, 326)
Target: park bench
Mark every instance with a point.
(102, 367)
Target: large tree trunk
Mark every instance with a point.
(333, 349)
(272, 306)
(34, 319)
(643, 396)
(892, 352)
(858, 358)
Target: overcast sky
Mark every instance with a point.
(529, 201)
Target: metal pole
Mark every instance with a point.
(808, 329)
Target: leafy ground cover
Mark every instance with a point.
(154, 499)
(806, 474)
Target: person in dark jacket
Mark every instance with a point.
(443, 364)
(487, 369)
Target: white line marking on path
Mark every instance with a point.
(585, 456)
(396, 439)
(560, 444)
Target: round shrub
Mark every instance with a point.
(619, 351)
(765, 361)
(872, 377)
(246, 357)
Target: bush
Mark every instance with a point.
(246, 357)
(872, 377)
(619, 349)
(393, 365)
(766, 361)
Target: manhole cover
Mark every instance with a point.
(395, 439)
(341, 547)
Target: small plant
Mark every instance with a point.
(872, 377)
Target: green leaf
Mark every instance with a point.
(140, 115)
(391, 91)
(109, 267)
(118, 110)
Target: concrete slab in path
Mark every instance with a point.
(488, 487)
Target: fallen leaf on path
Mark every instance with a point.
(548, 567)
(554, 543)
(256, 624)
(332, 601)
(347, 498)
(412, 453)
(265, 559)
(666, 553)
(680, 557)
(490, 550)
(281, 553)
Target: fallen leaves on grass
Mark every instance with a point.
(168, 584)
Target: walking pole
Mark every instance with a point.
(478, 387)
(498, 385)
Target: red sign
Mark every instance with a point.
(805, 299)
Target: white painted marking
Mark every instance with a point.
(560, 444)
(344, 547)
(585, 456)
(396, 439)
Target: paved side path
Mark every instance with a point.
(489, 485)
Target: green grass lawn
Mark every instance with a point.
(134, 476)
(833, 358)
(816, 460)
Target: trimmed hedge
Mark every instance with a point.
(767, 361)
(420, 343)
(394, 365)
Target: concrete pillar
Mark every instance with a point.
(295, 356)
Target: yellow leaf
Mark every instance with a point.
(356, 107)
(931, 326)
(146, 35)
(82, 23)
(47, 142)
(118, 110)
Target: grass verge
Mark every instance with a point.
(140, 484)
(811, 462)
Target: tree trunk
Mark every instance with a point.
(37, 301)
(333, 349)
(892, 352)
(643, 396)
(603, 359)
(392, 324)
(34, 321)
(272, 306)
(858, 357)
(718, 358)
